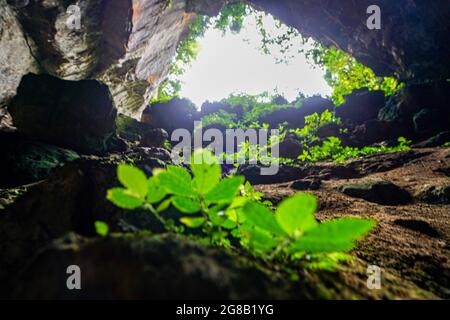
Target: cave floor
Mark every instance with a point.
(411, 241)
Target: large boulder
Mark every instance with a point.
(150, 267)
(435, 194)
(375, 131)
(171, 115)
(378, 191)
(435, 141)
(421, 108)
(79, 115)
(16, 58)
(360, 106)
(290, 148)
(71, 199)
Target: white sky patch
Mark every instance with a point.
(233, 63)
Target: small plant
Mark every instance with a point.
(332, 149)
(227, 208)
(101, 228)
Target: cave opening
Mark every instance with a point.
(247, 52)
(257, 54)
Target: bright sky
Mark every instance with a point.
(233, 63)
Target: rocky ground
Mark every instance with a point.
(411, 241)
(48, 225)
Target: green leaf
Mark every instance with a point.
(192, 222)
(181, 173)
(333, 236)
(101, 228)
(229, 224)
(259, 240)
(176, 180)
(297, 213)
(186, 205)
(124, 198)
(225, 191)
(133, 179)
(156, 191)
(261, 217)
(206, 170)
(164, 205)
(217, 217)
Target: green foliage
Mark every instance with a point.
(230, 18)
(245, 110)
(227, 208)
(332, 149)
(101, 228)
(345, 74)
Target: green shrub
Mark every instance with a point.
(227, 208)
(332, 149)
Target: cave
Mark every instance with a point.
(80, 116)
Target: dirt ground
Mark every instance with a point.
(411, 242)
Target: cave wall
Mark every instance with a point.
(129, 44)
(412, 42)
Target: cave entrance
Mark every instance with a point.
(243, 51)
(246, 52)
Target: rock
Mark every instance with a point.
(252, 173)
(26, 161)
(306, 184)
(417, 225)
(420, 108)
(329, 130)
(435, 194)
(72, 199)
(16, 59)
(171, 115)
(78, 115)
(422, 121)
(419, 54)
(156, 138)
(127, 44)
(130, 129)
(436, 141)
(360, 106)
(375, 131)
(378, 191)
(146, 267)
(131, 44)
(290, 148)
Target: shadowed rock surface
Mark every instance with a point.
(382, 192)
(75, 114)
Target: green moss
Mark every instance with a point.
(39, 160)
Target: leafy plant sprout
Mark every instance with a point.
(226, 209)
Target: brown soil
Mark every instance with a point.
(411, 243)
